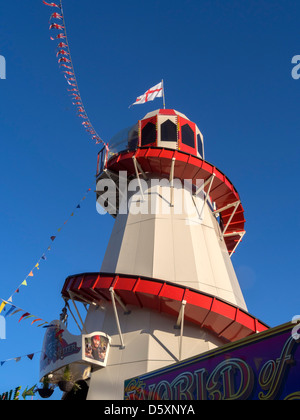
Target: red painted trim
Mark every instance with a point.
(182, 146)
(223, 318)
(167, 112)
(152, 120)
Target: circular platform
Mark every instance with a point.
(158, 161)
(226, 320)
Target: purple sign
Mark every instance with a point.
(265, 366)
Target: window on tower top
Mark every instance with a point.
(168, 131)
(187, 136)
(200, 145)
(148, 134)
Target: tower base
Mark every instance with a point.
(146, 347)
(152, 324)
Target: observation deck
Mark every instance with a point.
(166, 144)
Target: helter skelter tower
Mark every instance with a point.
(167, 289)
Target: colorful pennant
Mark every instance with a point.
(17, 359)
(13, 310)
(64, 57)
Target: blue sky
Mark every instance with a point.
(226, 65)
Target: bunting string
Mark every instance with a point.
(17, 359)
(44, 255)
(14, 310)
(65, 62)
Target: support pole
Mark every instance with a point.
(171, 180)
(204, 184)
(137, 175)
(112, 294)
(164, 99)
(79, 316)
(211, 180)
(237, 244)
(180, 324)
(233, 213)
(75, 320)
(140, 169)
(226, 207)
(122, 304)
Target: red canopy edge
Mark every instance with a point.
(222, 318)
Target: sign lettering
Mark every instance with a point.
(262, 367)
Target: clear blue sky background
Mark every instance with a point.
(226, 65)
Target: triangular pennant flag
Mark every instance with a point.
(10, 311)
(36, 320)
(30, 356)
(24, 283)
(30, 274)
(37, 266)
(2, 306)
(14, 313)
(30, 316)
(72, 214)
(10, 299)
(53, 238)
(26, 314)
(17, 359)
(43, 257)
(2, 363)
(58, 230)
(78, 207)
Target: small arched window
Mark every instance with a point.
(168, 131)
(187, 136)
(148, 134)
(200, 145)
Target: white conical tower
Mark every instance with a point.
(167, 289)
(181, 248)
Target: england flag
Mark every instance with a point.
(152, 93)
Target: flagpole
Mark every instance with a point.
(164, 99)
